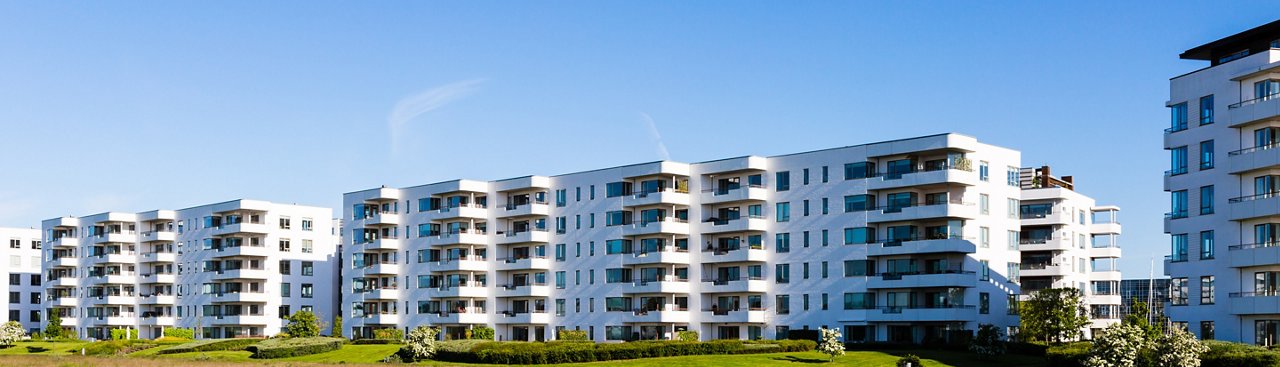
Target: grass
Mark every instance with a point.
(43, 348)
(58, 355)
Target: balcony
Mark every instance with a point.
(1059, 243)
(244, 274)
(120, 279)
(479, 265)
(472, 211)
(129, 320)
(960, 279)
(462, 291)
(670, 256)
(158, 236)
(1044, 270)
(158, 278)
(65, 242)
(659, 316)
(66, 301)
(1247, 111)
(118, 258)
(744, 316)
(742, 224)
(509, 317)
(382, 269)
(1255, 303)
(153, 257)
(903, 314)
(262, 320)
(666, 286)
(1056, 216)
(112, 300)
(241, 227)
(743, 254)
(1253, 206)
(924, 178)
(666, 197)
(118, 237)
(533, 236)
(258, 251)
(391, 293)
(1104, 252)
(1254, 158)
(457, 318)
(922, 246)
(1111, 227)
(63, 282)
(742, 285)
(67, 262)
(538, 290)
(159, 299)
(928, 211)
(667, 226)
(383, 243)
(460, 238)
(525, 210)
(733, 195)
(523, 263)
(243, 297)
(157, 320)
(1248, 255)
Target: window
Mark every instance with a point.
(306, 290)
(15, 279)
(1177, 117)
(859, 268)
(824, 301)
(1206, 200)
(1013, 239)
(805, 208)
(1177, 161)
(617, 275)
(285, 223)
(617, 247)
(284, 245)
(804, 177)
(1013, 208)
(1206, 155)
(824, 174)
(824, 206)
(562, 197)
(1178, 247)
(560, 280)
(1177, 204)
(984, 237)
(617, 218)
(859, 235)
(1206, 290)
(616, 189)
(824, 270)
(985, 270)
(984, 171)
(783, 180)
(15, 297)
(1012, 176)
(860, 170)
(284, 290)
(784, 212)
(782, 242)
(307, 247)
(984, 204)
(1206, 245)
(783, 273)
(308, 268)
(984, 303)
(561, 252)
(1265, 89)
(783, 305)
(307, 224)
(857, 203)
(859, 301)
(284, 267)
(1206, 330)
(1013, 272)
(825, 238)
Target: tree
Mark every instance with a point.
(337, 326)
(988, 343)
(1179, 348)
(422, 341)
(831, 344)
(11, 332)
(1118, 346)
(303, 324)
(1054, 315)
(53, 329)
(1138, 317)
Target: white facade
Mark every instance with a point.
(21, 277)
(1229, 110)
(227, 269)
(1068, 241)
(881, 240)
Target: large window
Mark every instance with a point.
(1206, 200)
(1178, 204)
(1178, 117)
(1177, 161)
(1206, 110)
(853, 171)
(855, 203)
(1266, 283)
(1266, 89)
(895, 169)
(859, 235)
(616, 189)
(1206, 155)
(1206, 290)
(783, 181)
(784, 212)
(1206, 245)
(617, 247)
(1178, 291)
(859, 268)
(1178, 247)
(859, 301)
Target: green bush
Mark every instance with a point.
(482, 333)
(179, 333)
(796, 345)
(117, 347)
(573, 335)
(376, 341)
(1024, 348)
(567, 351)
(909, 360)
(455, 350)
(124, 334)
(207, 345)
(293, 347)
(687, 336)
(389, 334)
(1226, 354)
(1068, 355)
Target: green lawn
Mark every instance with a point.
(372, 354)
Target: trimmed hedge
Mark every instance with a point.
(179, 333)
(1030, 349)
(117, 347)
(1227, 354)
(1068, 355)
(375, 341)
(293, 347)
(210, 345)
(580, 351)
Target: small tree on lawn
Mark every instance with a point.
(1054, 315)
(1179, 348)
(422, 341)
(53, 329)
(303, 324)
(831, 344)
(337, 327)
(1118, 346)
(11, 332)
(988, 342)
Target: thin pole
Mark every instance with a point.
(1151, 270)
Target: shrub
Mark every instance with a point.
(388, 334)
(179, 333)
(1068, 355)
(988, 343)
(687, 336)
(1023, 348)
(303, 324)
(53, 327)
(1227, 354)
(11, 332)
(831, 345)
(909, 360)
(796, 345)
(376, 341)
(482, 333)
(336, 331)
(171, 340)
(208, 345)
(422, 342)
(578, 335)
(293, 347)
(1178, 348)
(117, 347)
(124, 334)
(566, 351)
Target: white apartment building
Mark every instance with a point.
(1068, 241)
(1233, 297)
(21, 270)
(228, 269)
(908, 240)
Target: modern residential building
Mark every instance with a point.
(21, 269)
(1153, 292)
(1068, 241)
(1236, 100)
(909, 240)
(228, 269)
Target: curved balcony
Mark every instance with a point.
(460, 265)
(659, 316)
(65, 302)
(383, 219)
(1056, 216)
(244, 274)
(257, 320)
(458, 318)
(741, 316)
(531, 236)
(65, 262)
(523, 263)
(65, 242)
(669, 256)
(669, 225)
(158, 278)
(159, 299)
(462, 291)
(733, 195)
(743, 224)
(960, 279)
(921, 246)
(534, 290)
(665, 197)
(379, 293)
(924, 178)
(383, 243)
(922, 314)
(743, 285)
(743, 254)
(1045, 270)
(459, 238)
(509, 317)
(242, 227)
(116, 238)
(665, 286)
(469, 211)
(952, 209)
(243, 297)
(256, 251)
(525, 210)
(154, 257)
(158, 236)
(1059, 243)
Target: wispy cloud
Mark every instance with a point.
(656, 137)
(411, 107)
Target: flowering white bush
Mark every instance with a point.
(1118, 346)
(11, 332)
(1179, 349)
(422, 340)
(831, 344)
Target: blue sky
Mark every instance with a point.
(144, 105)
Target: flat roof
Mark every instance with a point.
(1254, 40)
